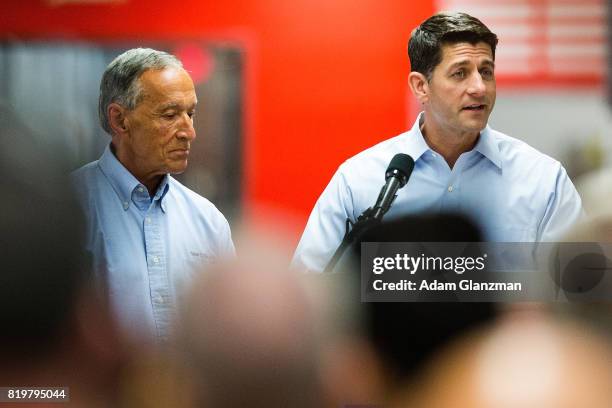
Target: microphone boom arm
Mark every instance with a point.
(353, 231)
(397, 175)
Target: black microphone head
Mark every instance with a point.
(402, 165)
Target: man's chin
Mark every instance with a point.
(475, 125)
(177, 168)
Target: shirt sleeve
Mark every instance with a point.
(326, 226)
(227, 249)
(564, 209)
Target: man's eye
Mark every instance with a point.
(170, 115)
(487, 73)
(191, 114)
(459, 74)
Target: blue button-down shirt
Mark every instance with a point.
(516, 193)
(146, 249)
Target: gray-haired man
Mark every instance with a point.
(147, 233)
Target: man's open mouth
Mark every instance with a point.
(474, 107)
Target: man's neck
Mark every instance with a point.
(152, 184)
(448, 144)
(150, 181)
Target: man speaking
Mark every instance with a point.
(147, 233)
(461, 164)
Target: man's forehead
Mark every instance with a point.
(452, 53)
(166, 73)
(166, 85)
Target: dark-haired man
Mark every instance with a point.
(461, 164)
(148, 234)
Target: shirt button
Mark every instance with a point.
(156, 259)
(125, 205)
(450, 189)
(141, 189)
(148, 220)
(159, 299)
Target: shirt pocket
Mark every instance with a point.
(187, 265)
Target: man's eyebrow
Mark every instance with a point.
(458, 64)
(170, 105)
(176, 105)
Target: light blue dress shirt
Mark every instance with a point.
(145, 249)
(514, 192)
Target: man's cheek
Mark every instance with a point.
(163, 128)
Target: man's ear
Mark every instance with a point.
(419, 86)
(117, 119)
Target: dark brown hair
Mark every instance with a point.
(426, 41)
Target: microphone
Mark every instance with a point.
(397, 175)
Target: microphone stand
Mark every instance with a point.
(396, 177)
(353, 232)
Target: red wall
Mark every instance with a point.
(324, 78)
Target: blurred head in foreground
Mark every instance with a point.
(56, 330)
(583, 271)
(523, 362)
(249, 333)
(402, 337)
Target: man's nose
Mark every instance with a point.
(186, 129)
(477, 86)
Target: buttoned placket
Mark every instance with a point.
(153, 233)
(450, 180)
(451, 194)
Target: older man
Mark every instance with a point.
(147, 233)
(461, 164)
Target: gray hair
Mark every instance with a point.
(120, 82)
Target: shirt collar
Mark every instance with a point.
(123, 182)
(415, 143)
(487, 144)
(160, 194)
